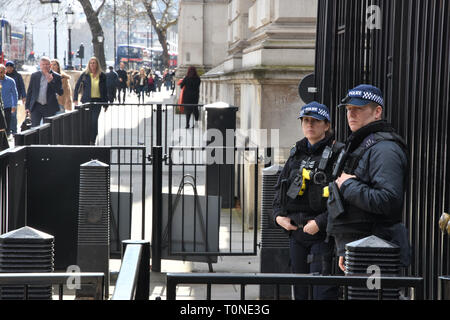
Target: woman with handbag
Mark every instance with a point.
(93, 82)
(191, 93)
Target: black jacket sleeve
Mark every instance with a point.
(382, 191)
(277, 209)
(321, 220)
(56, 84)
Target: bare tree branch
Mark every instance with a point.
(100, 8)
(163, 24)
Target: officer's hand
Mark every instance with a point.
(344, 177)
(285, 222)
(311, 227)
(341, 264)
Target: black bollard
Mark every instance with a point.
(26, 250)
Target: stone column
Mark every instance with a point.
(202, 34)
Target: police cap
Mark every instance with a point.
(315, 110)
(362, 95)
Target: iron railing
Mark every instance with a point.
(408, 58)
(133, 281)
(26, 280)
(149, 124)
(245, 279)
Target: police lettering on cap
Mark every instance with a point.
(315, 110)
(364, 94)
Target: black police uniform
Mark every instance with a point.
(308, 253)
(373, 201)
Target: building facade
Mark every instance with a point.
(252, 54)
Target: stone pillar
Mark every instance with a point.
(202, 34)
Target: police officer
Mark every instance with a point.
(372, 182)
(300, 203)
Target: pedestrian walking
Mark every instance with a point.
(151, 87)
(9, 97)
(93, 82)
(140, 83)
(112, 79)
(20, 86)
(167, 79)
(122, 84)
(65, 100)
(41, 99)
(191, 93)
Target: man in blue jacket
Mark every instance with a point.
(372, 184)
(41, 95)
(9, 96)
(12, 73)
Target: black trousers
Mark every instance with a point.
(39, 112)
(191, 110)
(141, 93)
(95, 113)
(111, 94)
(299, 253)
(8, 120)
(124, 93)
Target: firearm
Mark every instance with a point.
(334, 204)
(298, 186)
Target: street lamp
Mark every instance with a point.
(128, 2)
(25, 45)
(55, 8)
(70, 24)
(115, 41)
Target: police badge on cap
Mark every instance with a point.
(362, 95)
(315, 110)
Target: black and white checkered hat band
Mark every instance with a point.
(366, 95)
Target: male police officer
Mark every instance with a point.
(374, 167)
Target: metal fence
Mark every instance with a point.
(203, 207)
(149, 125)
(133, 281)
(245, 279)
(403, 47)
(60, 279)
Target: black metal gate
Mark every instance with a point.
(401, 46)
(189, 189)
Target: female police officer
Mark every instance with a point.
(300, 203)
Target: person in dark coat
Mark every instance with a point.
(112, 79)
(93, 81)
(299, 205)
(191, 94)
(122, 83)
(41, 99)
(150, 84)
(20, 85)
(140, 84)
(373, 184)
